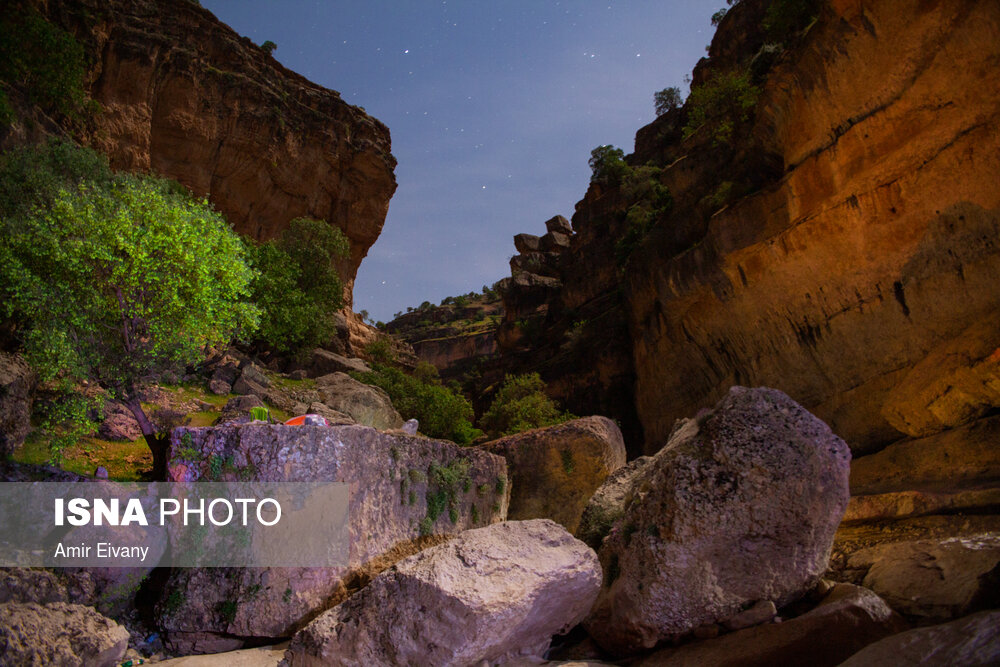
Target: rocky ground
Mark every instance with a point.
(725, 547)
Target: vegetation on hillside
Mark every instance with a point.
(115, 278)
(521, 404)
(42, 60)
(442, 411)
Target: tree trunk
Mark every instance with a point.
(158, 443)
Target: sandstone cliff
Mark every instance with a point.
(184, 96)
(842, 247)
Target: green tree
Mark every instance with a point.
(607, 164)
(442, 412)
(298, 289)
(116, 282)
(521, 404)
(268, 46)
(667, 99)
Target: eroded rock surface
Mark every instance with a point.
(555, 470)
(185, 96)
(59, 634)
(365, 404)
(973, 641)
(490, 594)
(406, 494)
(739, 507)
(845, 621)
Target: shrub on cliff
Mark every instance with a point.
(667, 99)
(721, 104)
(298, 289)
(442, 413)
(521, 404)
(607, 164)
(116, 279)
(41, 59)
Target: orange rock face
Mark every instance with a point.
(863, 283)
(183, 95)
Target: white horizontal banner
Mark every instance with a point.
(197, 524)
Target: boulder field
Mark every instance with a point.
(406, 493)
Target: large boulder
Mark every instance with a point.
(490, 594)
(555, 470)
(364, 403)
(740, 506)
(973, 641)
(59, 634)
(845, 621)
(406, 493)
(323, 362)
(16, 384)
(934, 579)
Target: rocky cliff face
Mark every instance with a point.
(183, 95)
(842, 247)
(861, 282)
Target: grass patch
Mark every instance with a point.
(125, 461)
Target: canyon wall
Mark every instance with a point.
(184, 96)
(842, 246)
(863, 282)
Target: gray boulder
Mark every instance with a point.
(491, 594)
(739, 507)
(59, 634)
(364, 403)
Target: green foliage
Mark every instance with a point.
(442, 413)
(32, 179)
(268, 47)
(41, 59)
(784, 18)
(259, 413)
(298, 289)
(174, 601)
(718, 16)
(227, 610)
(443, 488)
(667, 99)
(380, 351)
(62, 415)
(648, 200)
(607, 164)
(520, 405)
(116, 283)
(116, 279)
(722, 103)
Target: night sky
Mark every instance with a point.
(493, 108)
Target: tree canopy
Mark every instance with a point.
(116, 279)
(298, 288)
